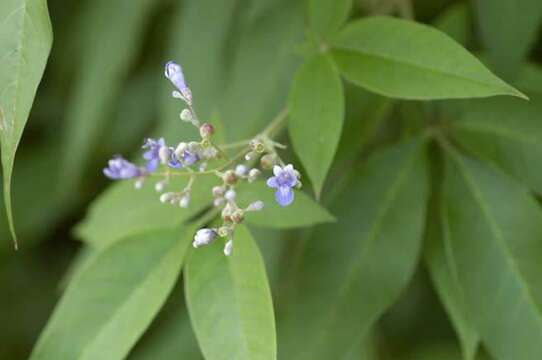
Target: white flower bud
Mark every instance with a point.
(255, 206)
(177, 95)
(139, 183)
(165, 154)
(167, 197)
(219, 202)
(204, 237)
(219, 191)
(180, 149)
(186, 115)
(230, 195)
(202, 166)
(241, 170)
(159, 186)
(253, 174)
(228, 248)
(185, 201)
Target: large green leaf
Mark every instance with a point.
(110, 302)
(508, 29)
(495, 231)
(122, 210)
(304, 211)
(229, 301)
(398, 58)
(326, 16)
(455, 21)
(507, 132)
(316, 113)
(352, 271)
(108, 51)
(25, 41)
(443, 271)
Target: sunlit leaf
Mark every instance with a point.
(495, 227)
(316, 113)
(25, 41)
(397, 58)
(352, 271)
(229, 301)
(110, 303)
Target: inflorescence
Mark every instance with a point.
(192, 159)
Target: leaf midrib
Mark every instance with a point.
(495, 230)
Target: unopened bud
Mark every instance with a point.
(229, 177)
(167, 197)
(206, 130)
(230, 195)
(224, 231)
(253, 174)
(180, 149)
(139, 183)
(228, 248)
(219, 201)
(267, 161)
(185, 201)
(255, 206)
(159, 186)
(186, 115)
(241, 170)
(204, 237)
(238, 216)
(218, 191)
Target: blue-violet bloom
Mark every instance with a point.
(120, 168)
(284, 181)
(153, 154)
(174, 73)
(188, 158)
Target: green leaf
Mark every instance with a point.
(508, 29)
(229, 301)
(456, 22)
(495, 229)
(316, 113)
(442, 268)
(327, 16)
(508, 133)
(352, 271)
(108, 52)
(26, 37)
(397, 58)
(304, 211)
(122, 210)
(110, 303)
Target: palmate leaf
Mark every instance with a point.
(111, 301)
(229, 301)
(398, 58)
(316, 113)
(495, 232)
(507, 132)
(25, 42)
(352, 271)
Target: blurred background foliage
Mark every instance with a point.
(103, 92)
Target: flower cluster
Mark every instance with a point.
(191, 159)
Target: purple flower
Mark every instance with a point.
(153, 154)
(119, 168)
(174, 73)
(284, 180)
(188, 158)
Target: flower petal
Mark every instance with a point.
(284, 196)
(272, 182)
(277, 170)
(152, 165)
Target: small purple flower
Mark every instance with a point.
(120, 168)
(174, 73)
(188, 158)
(284, 181)
(153, 154)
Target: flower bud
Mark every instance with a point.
(139, 183)
(229, 177)
(185, 201)
(224, 231)
(219, 191)
(250, 155)
(164, 153)
(230, 195)
(180, 149)
(253, 175)
(160, 186)
(186, 115)
(204, 237)
(206, 130)
(238, 216)
(228, 248)
(241, 170)
(219, 201)
(255, 206)
(167, 197)
(267, 161)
